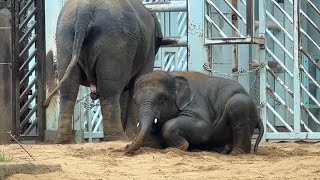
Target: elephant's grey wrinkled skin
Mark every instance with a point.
(106, 43)
(194, 110)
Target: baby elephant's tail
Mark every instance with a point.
(261, 132)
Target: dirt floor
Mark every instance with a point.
(107, 161)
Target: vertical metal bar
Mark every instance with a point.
(250, 17)
(296, 70)
(15, 68)
(263, 71)
(197, 52)
(234, 33)
(89, 119)
(40, 58)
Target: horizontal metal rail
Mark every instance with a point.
(293, 136)
(279, 81)
(310, 58)
(236, 11)
(30, 128)
(27, 118)
(279, 117)
(28, 46)
(28, 33)
(279, 25)
(234, 40)
(29, 101)
(244, 2)
(170, 58)
(279, 99)
(282, 10)
(27, 89)
(310, 20)
(310, 114)
(279, 44)
(27, 61)
(305, 126)
(309, 76)
(224, 17)
(28, 74)
(271, 127)
(208, 18)
(310, 39)
(279, 62)
(313, 6)
(168, 6)
(310, 95)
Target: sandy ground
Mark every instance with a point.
(107, 161)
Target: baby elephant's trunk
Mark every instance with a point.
(136, 144)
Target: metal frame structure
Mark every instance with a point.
(265, 45)
(286, 108)
(28, 68)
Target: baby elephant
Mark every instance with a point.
(191, 109)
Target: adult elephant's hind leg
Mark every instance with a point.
(110, 107)
(68, 94)
(238, 109)
(112, 76)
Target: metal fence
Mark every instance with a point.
(292, 103)
(270, 47)
(28, 68)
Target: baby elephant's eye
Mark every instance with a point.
(162, 99)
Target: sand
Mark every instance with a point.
(106, 160)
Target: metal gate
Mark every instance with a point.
(28, 52)
(291, 105)
(270, 47)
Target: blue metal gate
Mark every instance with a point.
(270, 47)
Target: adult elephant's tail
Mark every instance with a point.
(81, 28)
(261, 132)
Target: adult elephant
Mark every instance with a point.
(191, 109)
(107, 45)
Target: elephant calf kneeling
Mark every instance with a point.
(190, 109)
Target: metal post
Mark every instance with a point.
(198, 54)
(263, 71)
(41, 58)
(250, 16)
(15, 69)
(296, 70)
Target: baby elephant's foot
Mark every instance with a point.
(227, 149)
(184, 146)
(237, 151)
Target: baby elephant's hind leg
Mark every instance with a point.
(238, 109)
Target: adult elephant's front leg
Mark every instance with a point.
(111, 113)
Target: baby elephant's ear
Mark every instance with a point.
(184, 94)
